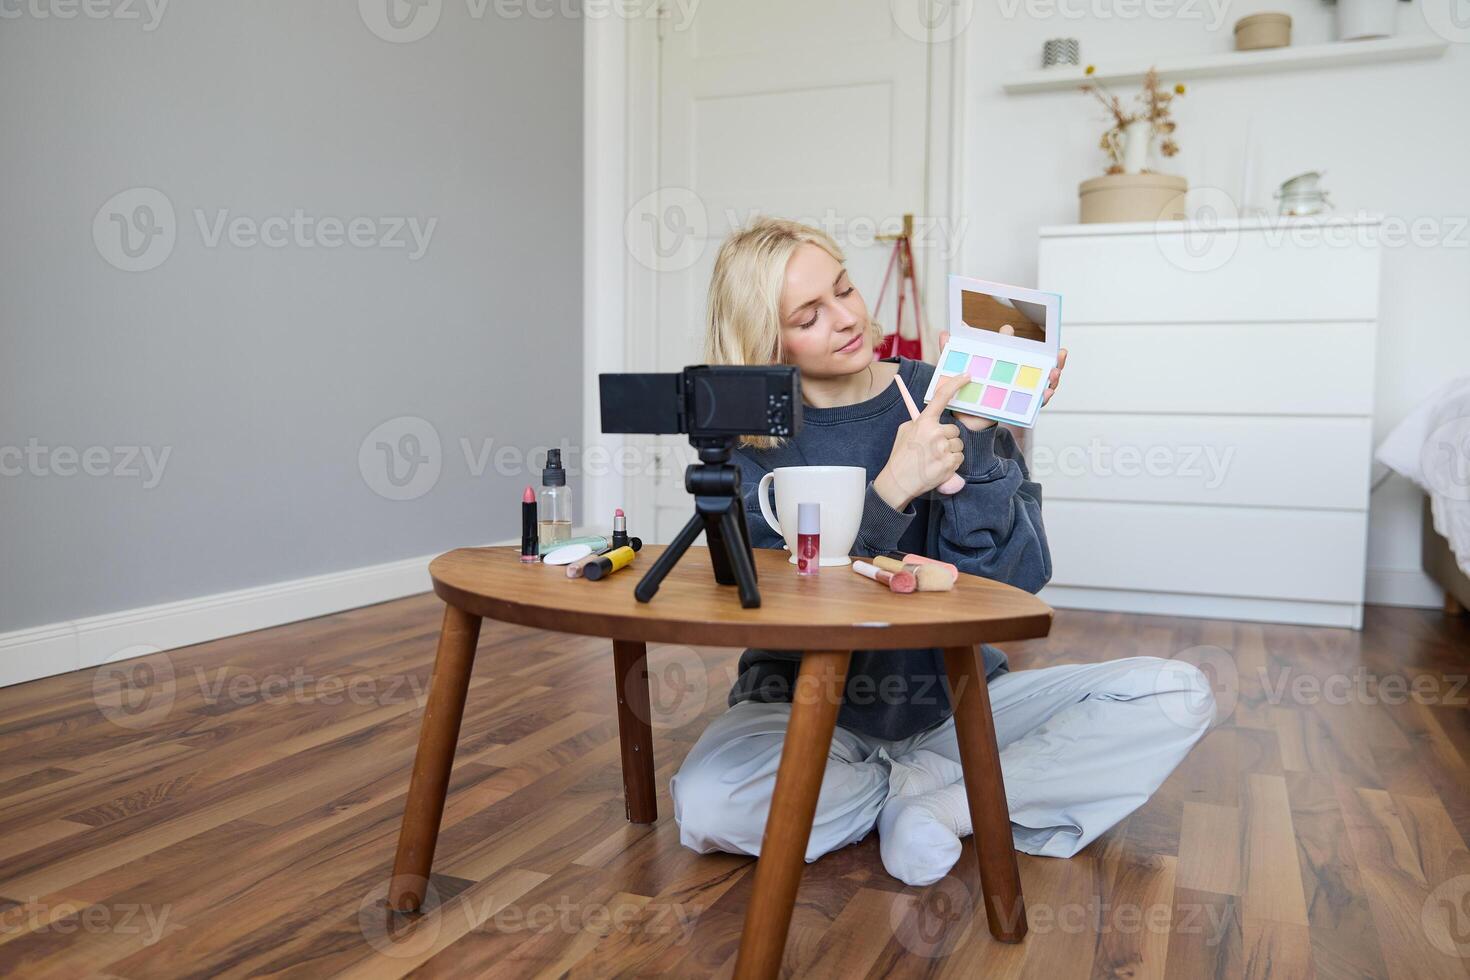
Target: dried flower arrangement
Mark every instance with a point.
(1153, 108)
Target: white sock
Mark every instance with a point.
(919, 772)
(919, 836)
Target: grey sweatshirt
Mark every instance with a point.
(991, 528)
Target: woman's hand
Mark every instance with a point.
(974, 422)
(926, 451)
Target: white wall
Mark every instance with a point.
(1393, 139)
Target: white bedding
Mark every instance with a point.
(1432, 447)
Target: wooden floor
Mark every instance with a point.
(231, 809)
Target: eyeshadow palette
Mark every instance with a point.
(1008, 371)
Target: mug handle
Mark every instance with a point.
(760, 497)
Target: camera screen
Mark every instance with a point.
(730, 402)
(986, 312)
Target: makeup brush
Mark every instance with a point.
(930, 578)
(955, 483)
(901, 582)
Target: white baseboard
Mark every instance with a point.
(1341, 614)
(42, 651)
(1403, 587)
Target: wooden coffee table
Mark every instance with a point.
(826, 617)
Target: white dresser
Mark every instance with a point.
(1209, 451)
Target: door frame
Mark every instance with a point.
(620, 141)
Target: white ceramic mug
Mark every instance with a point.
(841, 490)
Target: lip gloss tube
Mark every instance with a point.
(896, 581)
(808, 538)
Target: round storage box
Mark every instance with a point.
(1131, 197)
(1262, 31)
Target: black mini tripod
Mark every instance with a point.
(719, 511)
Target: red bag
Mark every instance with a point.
(896, 343)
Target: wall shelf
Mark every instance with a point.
(1239, 63)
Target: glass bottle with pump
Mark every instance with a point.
(554, 518)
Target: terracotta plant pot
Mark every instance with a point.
(1131, 197)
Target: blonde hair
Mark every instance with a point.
(743, 322)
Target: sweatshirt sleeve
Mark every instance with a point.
(992, 527)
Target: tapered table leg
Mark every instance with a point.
(438, 737)
(630, 667)
(814, 706)
(1000, 879)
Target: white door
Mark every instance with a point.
(819, 111)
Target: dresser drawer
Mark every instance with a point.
(1218, 369)
(1312, 463)
(1293, 271)
(1313, 555)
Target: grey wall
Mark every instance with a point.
(262, 369)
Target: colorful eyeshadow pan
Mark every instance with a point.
(955, 363)
(994, 397)
(1004, 371)
(1019, 401)
(1028, 377)
(980, 367)
(969, 393)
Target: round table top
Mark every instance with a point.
(836, 609)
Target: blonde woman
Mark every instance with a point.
(1081, 746)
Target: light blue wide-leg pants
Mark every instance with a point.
(1081, 747)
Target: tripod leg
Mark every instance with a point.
(719, 545)
(737, 552)
(648, 585)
